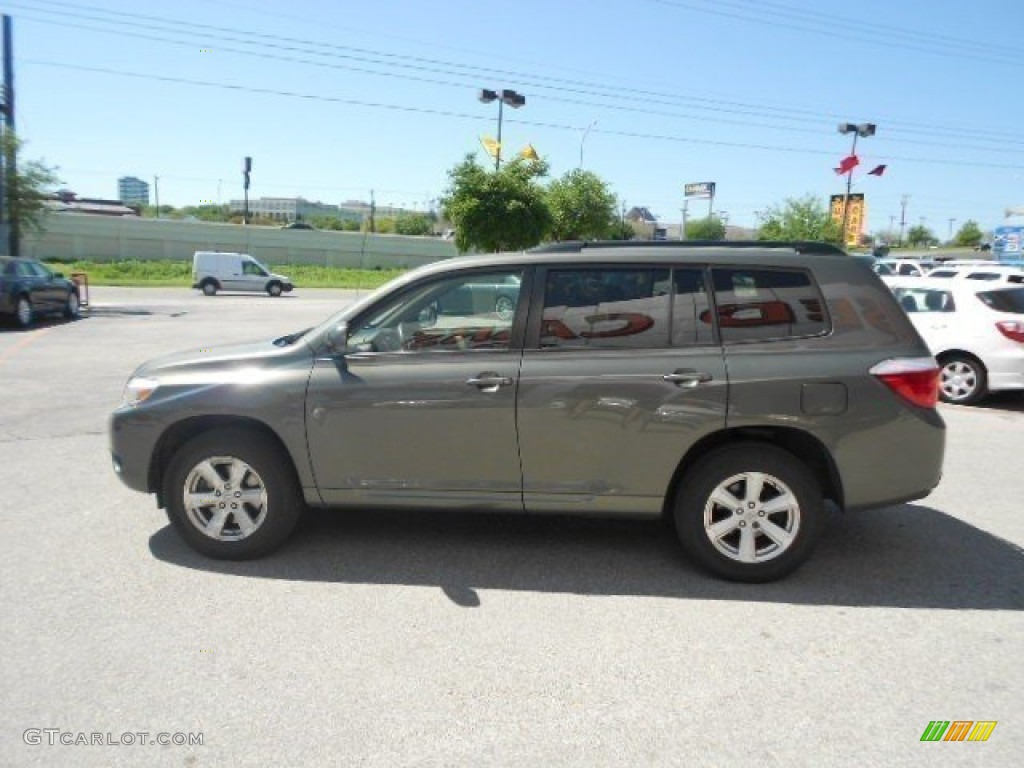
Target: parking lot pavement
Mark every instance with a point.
(453, 639)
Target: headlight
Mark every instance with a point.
(138, 390)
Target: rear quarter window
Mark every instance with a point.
(761, 304)
(1007, 300)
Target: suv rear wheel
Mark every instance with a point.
(209, 287)
(749, 512)
(232, 494)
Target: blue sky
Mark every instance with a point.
(746, 93)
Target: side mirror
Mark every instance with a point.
(337, 339)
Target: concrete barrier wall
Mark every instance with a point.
(114, 238)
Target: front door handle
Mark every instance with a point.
(687, 377)
(489, 382)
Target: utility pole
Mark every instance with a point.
(903, 217)
(373, 213)
(951, 223)
(156, 194)
(246, 170)
(892, 224)
(10, 161)
(686, 210)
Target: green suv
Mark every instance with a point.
(732, 388)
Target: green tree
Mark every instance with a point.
(970, 234)
(502, 210)
(804, 218)
(27, 188)
(920, 235)
(582, 207)
(414, 224)
(705, 229)
(621, 230)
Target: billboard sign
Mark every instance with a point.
(700, 189)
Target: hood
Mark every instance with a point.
(224, 359)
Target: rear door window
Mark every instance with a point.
(610, 308)
(757, 304)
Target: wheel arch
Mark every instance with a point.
(801, 444)
(947, 354)
(182, 431)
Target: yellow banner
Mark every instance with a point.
(857, 219)
(491, 146)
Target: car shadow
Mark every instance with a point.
(1003, 401)
(909, 556)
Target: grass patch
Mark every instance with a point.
(179, 273)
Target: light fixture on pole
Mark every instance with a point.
(857, 129)
(584, 139)
(503, 97)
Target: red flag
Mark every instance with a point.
(848, 164)
(878, 170)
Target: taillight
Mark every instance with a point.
(1012, 329)
(915, 379)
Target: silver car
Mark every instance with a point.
(731, 388)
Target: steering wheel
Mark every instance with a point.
(389, 340)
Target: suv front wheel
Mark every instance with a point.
(232, 494)
(749, 512)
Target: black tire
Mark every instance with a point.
(24, 314)
(274, 289)
(800, 524)
(72, 307)
(963, 380)
(209, 287)
(270, 471)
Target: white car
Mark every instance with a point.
(974, 328)
(992, 272)
(909, 267)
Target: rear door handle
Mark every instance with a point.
(489, 382)
(686, 377)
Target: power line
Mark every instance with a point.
(478, 118)
(743, 12)
(413, 63)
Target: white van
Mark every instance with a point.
(214, 271)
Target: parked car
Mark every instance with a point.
(214, 271)
(730, 387)
(912, 267)
(992, 272)
(975, 329)
(298, 225)
(28, 289)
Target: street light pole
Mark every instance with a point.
(506, 96)
(584, 139)
(857, 129)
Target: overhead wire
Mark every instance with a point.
(415, 63)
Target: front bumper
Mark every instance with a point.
(132, 442)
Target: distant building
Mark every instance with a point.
(132, 191)
(644, 223)
(286, 208)
(66, 201)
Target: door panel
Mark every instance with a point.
(421, 410)
(604, 431)
(627, 377)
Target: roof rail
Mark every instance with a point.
(800, 246)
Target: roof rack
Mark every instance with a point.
(800, 246)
